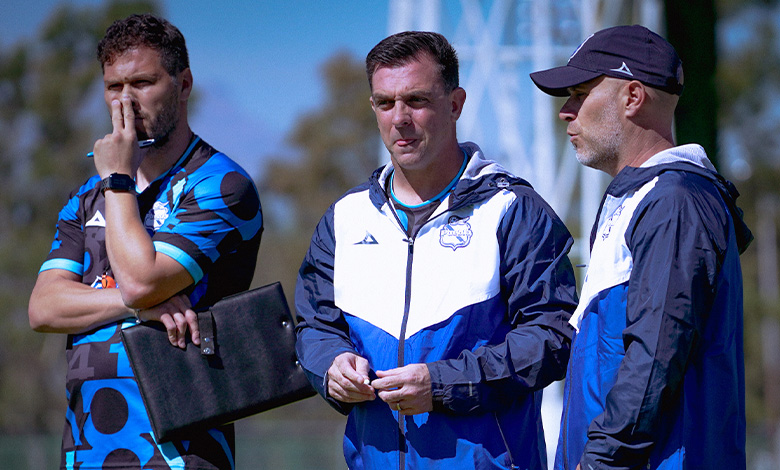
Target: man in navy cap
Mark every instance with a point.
(656, 376)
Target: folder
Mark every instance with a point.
(246, 364)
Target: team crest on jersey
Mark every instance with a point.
(610, 222)
(158, 214)
(456, 234)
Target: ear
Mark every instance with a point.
(635, 97)
(457, 98)
(185, 78)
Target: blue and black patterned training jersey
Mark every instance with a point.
(205, 213)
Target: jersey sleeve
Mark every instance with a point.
(538, 283)
(68, 248)
(214, 211)
(676, 239)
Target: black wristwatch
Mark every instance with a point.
(118, 182)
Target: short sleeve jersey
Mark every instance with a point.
(204, 213)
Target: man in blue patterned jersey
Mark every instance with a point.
(158, 233)
(656, 377)
(434, 299)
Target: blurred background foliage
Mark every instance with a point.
(51, 109)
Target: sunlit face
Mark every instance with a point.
(156, 95)
(595, 129)
(415, 115)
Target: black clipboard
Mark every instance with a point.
(246, 364)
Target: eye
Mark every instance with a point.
(417, 101)
(384, 104)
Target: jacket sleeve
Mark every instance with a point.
(676, 241)
(322, 331)
(538, 284)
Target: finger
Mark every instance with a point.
(350, 372)
(403, 408)
(129, 114)
(336, 390)
(391, 398)
(192, 321)
(388, 380)
(170, 327)
(117, 120)
(362, 368)
(350, 396)
(181, 328)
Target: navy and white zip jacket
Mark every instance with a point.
(482, 294)
(656, 377)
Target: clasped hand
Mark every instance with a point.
(405, 389)
(177, 315)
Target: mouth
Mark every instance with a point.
(405, 142)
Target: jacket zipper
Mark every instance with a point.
(401, 341)
(512, 465)
(402, 337)
(565, 425)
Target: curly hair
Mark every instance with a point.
(145, 30)
(402, 48)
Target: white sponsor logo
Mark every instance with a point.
(97, 220)
(623, 69)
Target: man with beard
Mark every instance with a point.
(434, 298)
(656, 376)
(158, 233)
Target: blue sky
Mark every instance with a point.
(256, 63)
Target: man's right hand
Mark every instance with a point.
(347, 379)
(177, 315)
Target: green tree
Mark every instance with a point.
(691, 28)
(338, 145)
(51, 112)
(749, 95)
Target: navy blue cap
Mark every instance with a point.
(627, 52)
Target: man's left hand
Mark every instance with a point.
(177, 315)
(406, 389)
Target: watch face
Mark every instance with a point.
(118, 182)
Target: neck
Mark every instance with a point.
(643, 146)
(158, 160)
(413, 187)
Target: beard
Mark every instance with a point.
(161, 127)
(600, 148)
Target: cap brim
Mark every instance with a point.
(557, 80)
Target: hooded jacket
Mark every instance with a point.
(656, 377)
(482, 294)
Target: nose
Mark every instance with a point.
(127, 92)
(568, 111)
(401, 114)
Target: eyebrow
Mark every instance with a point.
(404, 95)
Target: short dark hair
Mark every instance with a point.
(402, 48)
(145, 30)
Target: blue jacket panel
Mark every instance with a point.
(482, 295)
(656, 377)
